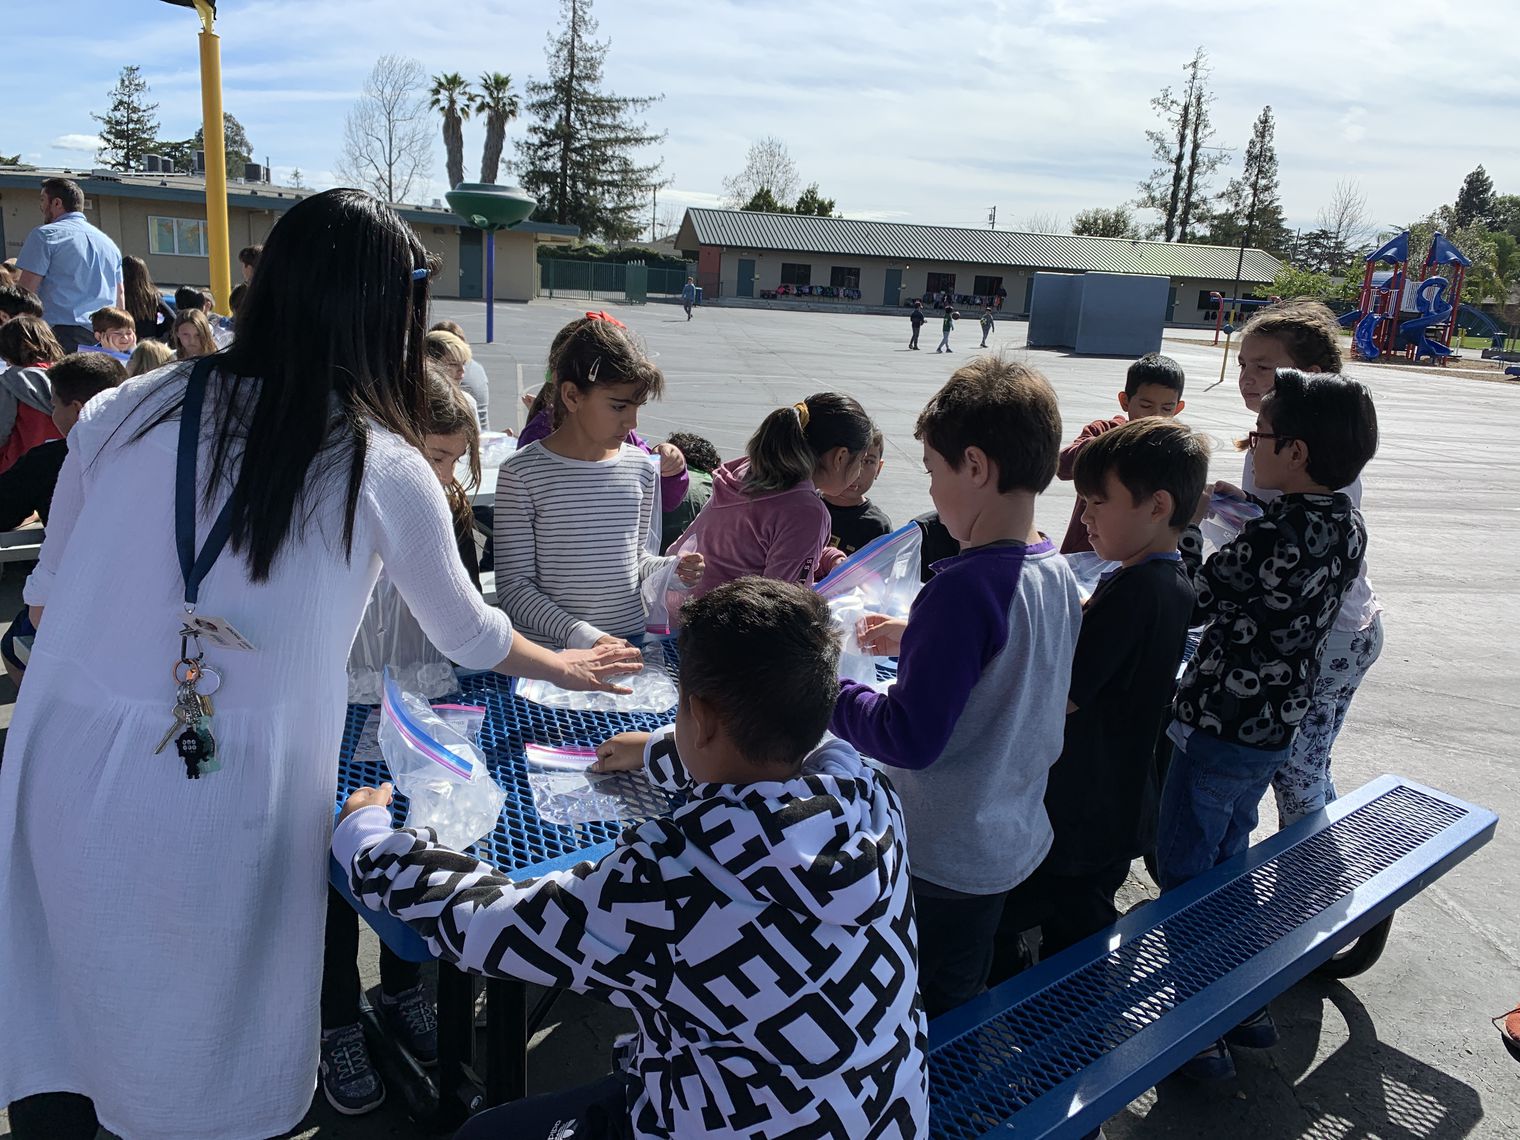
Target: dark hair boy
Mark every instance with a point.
(1152, 387)
(679, 922)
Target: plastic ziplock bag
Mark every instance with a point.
(1227, 518)
(1087, 567)
(390, 638)
(659, 586)
(654, 690)
(565, 793)
(881, 577)
(440, 771)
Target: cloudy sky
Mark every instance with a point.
(913, 112)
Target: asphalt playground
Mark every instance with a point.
(1404, 1052)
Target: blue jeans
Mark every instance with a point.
(1209, 803)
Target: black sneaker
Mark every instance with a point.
(1258, 1031)
(412, 1020)
(349, 1080)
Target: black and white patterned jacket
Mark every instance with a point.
(1270, 598)
(761, 934)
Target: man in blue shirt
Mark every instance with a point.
(73, 267)
(689, 295)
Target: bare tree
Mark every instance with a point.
(388, 138)
(767, 166)
(1344, 217)
(1041, 223)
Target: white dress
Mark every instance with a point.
(161, 938)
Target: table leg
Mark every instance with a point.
(506, 1041)
(458, 1092)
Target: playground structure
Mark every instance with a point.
(1387, 295)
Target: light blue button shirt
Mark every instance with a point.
(80, 269)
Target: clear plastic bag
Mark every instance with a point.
(654, 690)
(1088, 567)
(881, 577)
(661, 591)
(565, 793)
(439, 769)
(1227, 518)
(390, 638)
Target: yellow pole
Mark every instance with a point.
(215, 145)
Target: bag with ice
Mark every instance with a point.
(438, 768)
(565, 792)
(654, 690)
(881, 577)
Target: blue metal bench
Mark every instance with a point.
(1057, 1050)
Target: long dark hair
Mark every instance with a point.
(329, 336)
(137, 289)
(790, 441)
(451, 412)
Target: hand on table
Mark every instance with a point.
(622, 753)
(365, 797)
(672, 462)
(880, 635)
(690, 568)
(608, 639)
(590, 670)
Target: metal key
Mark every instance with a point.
(180, 722)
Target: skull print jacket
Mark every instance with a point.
(1269, 599)
(762, 935)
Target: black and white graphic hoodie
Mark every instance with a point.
(762, 935)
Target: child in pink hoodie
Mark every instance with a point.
(765, 516)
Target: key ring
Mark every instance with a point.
(207, 673)
(192, 671)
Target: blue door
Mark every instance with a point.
(891, 296)
(471, 263)
(746, 277)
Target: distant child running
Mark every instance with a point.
(988, 324)
(761, 934)
(765, 516)
(975, 719)
(574, 512)
(1152, 387)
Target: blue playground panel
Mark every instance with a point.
(1070, 1042)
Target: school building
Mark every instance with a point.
(742, 253)
(161, 218)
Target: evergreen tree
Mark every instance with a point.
(234, 140)
(1102, 222)
(1475, 201)
(1250, 210)
(812, 202)
(765, 202)
(1178, 188)
(128, 129)
(579, 157)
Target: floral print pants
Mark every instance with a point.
(1303, 784)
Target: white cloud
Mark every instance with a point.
(89, 143)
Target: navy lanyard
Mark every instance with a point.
(194, 567)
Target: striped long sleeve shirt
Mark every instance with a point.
(572, 544)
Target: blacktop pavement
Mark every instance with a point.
(1404, 1052)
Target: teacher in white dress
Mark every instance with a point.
(160, 921)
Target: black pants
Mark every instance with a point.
(598, 1111)
(53, 1116)
(1066, 907)
(956, 935)
(72, 336)
(341, 987)
(914, 342)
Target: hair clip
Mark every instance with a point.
(608, 317)
(421, 274)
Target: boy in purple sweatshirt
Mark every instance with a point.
(977, 715)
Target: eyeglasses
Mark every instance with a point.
(1255, 437)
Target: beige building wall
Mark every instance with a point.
(516, 265)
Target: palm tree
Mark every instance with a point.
(451, 94)
(498, 103)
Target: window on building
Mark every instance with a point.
(987, 286)
(185, 237)
(939, 282)
(844, 277)
(794, 274)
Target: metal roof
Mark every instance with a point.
(852, 237)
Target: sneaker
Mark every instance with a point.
(1210, 1065)
(411, 1019)
(1258, 1031)
(349, 1080)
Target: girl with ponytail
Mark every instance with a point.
(765, 516)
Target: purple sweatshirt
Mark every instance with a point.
(978, 713)
(672, 487)
(775, 534)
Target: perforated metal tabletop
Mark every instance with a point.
(1066, 1039)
